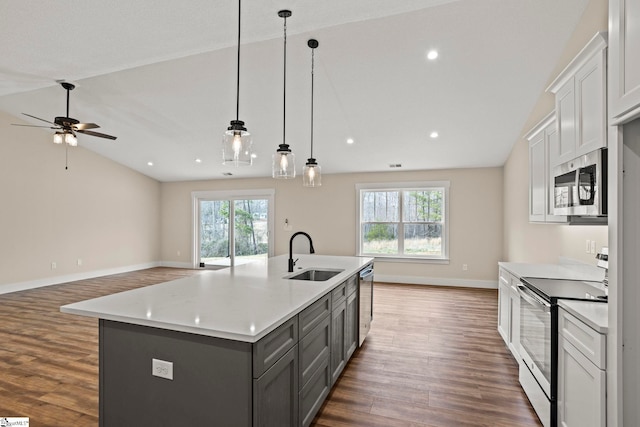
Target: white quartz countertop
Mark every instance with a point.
(594, 314)
(242, 303)
(554, 271)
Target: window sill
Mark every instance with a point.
(409, 259)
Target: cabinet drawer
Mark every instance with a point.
(314, 350)
(314, 393)
(589, 342)
(311, 316)
(269, 349)
(352, 284)
(338, 295)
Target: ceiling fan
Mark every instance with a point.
(66, 127)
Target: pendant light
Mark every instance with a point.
(311, 176)
(236, 143)
(283, 161)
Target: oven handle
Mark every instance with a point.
(532, 298)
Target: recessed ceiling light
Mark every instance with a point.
(198, 160)
(433, 134)
(432, 54)
(350, 141)
(254, 155)
(149, 163)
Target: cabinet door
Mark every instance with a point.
(566, 117)
(504, 306)
(275, 393)
(581, 389)
(351, 332)
(338, 350)
(624, 61)
(537, 179)
(553, 152)
(590, 87)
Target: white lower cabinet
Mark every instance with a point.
(581, 374)
(509, 311)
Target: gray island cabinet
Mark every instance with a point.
(250, 351)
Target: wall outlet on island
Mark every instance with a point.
(54, 265)
(162, 369)
(465, 267)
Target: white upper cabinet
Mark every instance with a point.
(544, 150)
(624, 60)
(581, 95)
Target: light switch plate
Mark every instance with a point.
(162, 369)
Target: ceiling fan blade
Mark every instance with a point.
(84, 126)
(38, 118)
(98, 134)
(34, 126)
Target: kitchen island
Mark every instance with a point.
(241, 346)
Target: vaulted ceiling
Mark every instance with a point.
(161, 76)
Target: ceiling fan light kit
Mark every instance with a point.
(237, 145)
(283, 160)
(311, 176)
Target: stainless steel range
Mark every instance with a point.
(539, 337)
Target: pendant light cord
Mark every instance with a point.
(312, 67)
(238, 68)
(284, 91)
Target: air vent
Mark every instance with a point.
(395, 165)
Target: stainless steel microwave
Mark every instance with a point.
(580, 185)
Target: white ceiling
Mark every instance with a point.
(161, 76)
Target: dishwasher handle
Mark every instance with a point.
(366, 272)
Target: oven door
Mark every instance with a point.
(535, 336)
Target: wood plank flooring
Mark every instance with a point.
(433, 358)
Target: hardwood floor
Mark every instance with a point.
(433, 358)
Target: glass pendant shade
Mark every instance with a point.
(283, 163)
(237, 146)
(311, 176)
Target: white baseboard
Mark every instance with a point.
(48, 281)
(437, 281)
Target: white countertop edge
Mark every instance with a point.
(593, 314)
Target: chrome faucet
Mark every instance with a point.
(292, 263)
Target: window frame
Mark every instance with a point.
(403, 187)
(230, 195)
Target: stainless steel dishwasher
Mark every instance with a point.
(366, 302)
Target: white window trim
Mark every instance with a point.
(197, 196)
(403, 186)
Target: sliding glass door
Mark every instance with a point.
(232, 229)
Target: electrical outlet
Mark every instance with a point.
(593, 246)
(162, 369)
(54, 265)
(465, 267)
(588, 247)
(79, 262)
(178, 253)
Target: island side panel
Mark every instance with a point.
(212, 378)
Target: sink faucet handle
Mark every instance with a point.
(294, 262)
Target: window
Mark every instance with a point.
(406, 220)
(232, 228)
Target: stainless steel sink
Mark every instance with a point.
(315, 275)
